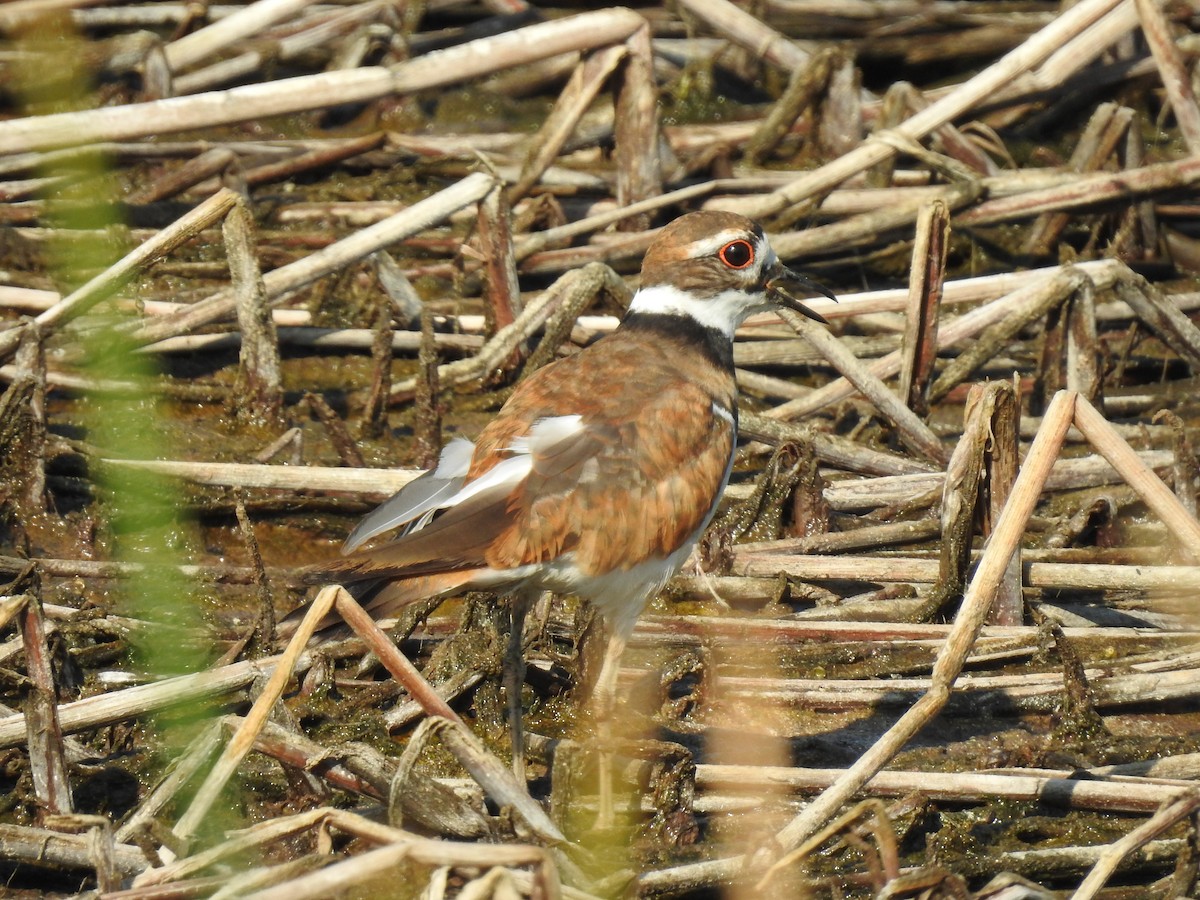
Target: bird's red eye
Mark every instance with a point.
(737, 254)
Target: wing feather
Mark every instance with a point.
(615, 482)
(420, 497)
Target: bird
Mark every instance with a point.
(603, 468)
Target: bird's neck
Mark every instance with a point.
(679, 331)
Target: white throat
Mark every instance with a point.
(723, 312)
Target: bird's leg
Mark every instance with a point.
(514, 678)
(604, 697)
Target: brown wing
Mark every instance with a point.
(638, 478)
(622, 491)
(634, 480)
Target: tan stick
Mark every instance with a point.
(326, 29)
(909, 570)
(915, 433)
(145, 254)
(978, 89)
(393, 660)
(635, 133)
(1003, 463)
(243, 741)
(763, 41)
(47, 761)
(260, 394)
(279, 282)
(965, 326)
(925, 278)
(1085, 191)
(1078, 52)
(292, 95)
(1186, 804)
(1174, 73)
(1077, 793)
(217, 37)
(976, 603)
(1101, 435)
(573, 101)
(371, 482)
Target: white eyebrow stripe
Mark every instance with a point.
(709, 245)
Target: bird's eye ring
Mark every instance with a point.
(737, 254)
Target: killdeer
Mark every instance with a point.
(602, 470)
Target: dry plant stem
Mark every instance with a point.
(11, 607)
(833, 449)
(258, 363)
(502, 291)
(183, 769)
(292, 95)
(495, 777)
(137, 260)
(1175, 329)
(1100, 434)
(427, 417)
(372, 483)
(529, 244)
(392, 659)
(994, 338)
(747, 32)
(47, 761)
(799, 94)
(294, 749)
(1174, 73)
(869, 227)
(385, 861)
(280, 282)
(1170, 813)
(307, 336)
(635, 133)
(1085, 372)
(191, 173)
(960, 499)
(915, 434)
(1078, 52)
(869, 536)
(323, 30)
(219, 36)
(1106, 128)
(1061, 790)
(568, 290)
(29, 393)
(313, 159)
(965, 326)
(925, 280)
(976, 603)
(901, 478)
(1018, 692)
(907, 570)
(968, 95)
(243, 741)
(839, 127)
(47, 847)
(1002, 461)
(581, 90)
(1088, 190)
(684, 631)
(22, 13)
(421, 850)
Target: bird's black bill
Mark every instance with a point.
(784, 284)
